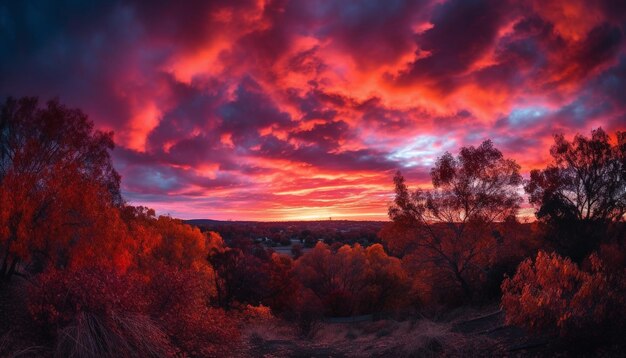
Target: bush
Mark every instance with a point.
(57, 297)
(95, 313)
(553, 295)
(180, 303)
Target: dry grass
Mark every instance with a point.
(417, 338)
(10, 348)
(118, 336)
(423, 338)
(17, 337)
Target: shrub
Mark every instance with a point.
(352, 280)
(95, 313)
(553, 295)
(180, 304)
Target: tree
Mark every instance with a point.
(181, 244)
(581, 192)
(180, 303)
(55, 173)
(387, 281)
(335, 277)
(352, 280)
(450, 226)
(239, 277)
(34, 140)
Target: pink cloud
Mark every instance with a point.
(286, 110)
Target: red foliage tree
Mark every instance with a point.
(55, 171)
(352, 280)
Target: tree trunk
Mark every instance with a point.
(13, 268)
(464, 285)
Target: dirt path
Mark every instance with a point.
(508, 338)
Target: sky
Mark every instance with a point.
(284, 110)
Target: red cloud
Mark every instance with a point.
(286, 110)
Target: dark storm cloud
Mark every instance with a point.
(462, 32)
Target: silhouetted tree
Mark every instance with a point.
(450, 227)
(581, 192)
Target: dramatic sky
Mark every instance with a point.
(304, 109)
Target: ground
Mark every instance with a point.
(469, 332)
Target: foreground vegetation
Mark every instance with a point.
(84, 274)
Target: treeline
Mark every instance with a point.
(308, 233)
(84, 274)
(564, 275)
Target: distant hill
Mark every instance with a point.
(212, 221)
(301, 223)
(345, 231)
(199, 222)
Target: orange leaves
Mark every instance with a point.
(179, 302)
(351, 280)
(553, 294)
(57, 185)
(180, 244)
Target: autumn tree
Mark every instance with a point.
(55, 175)
(387, 281)
(250, 277)
(351, 280)
(581, 192)
(181, 244)
(180, 302)
(35, 139)
(450, 228)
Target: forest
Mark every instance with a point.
(85, 274)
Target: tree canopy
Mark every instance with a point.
(581, 191)
(451, 224)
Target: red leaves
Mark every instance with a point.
(57, 184)
(181, 244)
(179, 301)
(57, 297)
(553, 294)
(173, 303)
(352, 280)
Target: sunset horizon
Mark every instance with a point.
(282, 110)
(312, 178)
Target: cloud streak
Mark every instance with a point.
(304, 109)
